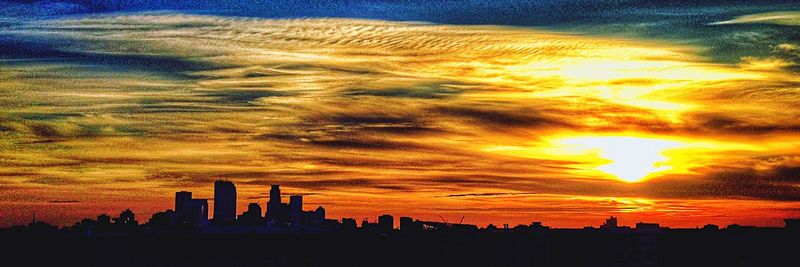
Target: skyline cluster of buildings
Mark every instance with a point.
(193, 214)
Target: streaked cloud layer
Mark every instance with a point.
(791, 18)
(494, 123)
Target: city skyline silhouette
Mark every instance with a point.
(288, 235)
(190, 213)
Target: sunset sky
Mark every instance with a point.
(564, 112)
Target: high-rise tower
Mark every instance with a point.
(183, 200)
(296, 210)
(274, 207)
(224, 202)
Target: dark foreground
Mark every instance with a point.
(743, 247)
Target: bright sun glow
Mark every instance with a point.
(631, 159)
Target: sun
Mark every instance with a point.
(630, 159)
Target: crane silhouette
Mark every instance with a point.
(447, 223)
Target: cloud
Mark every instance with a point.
(63, 201)
(242, 96)
(764, 64)
(323, 184)
(778, 185)
(492, 116)
(433, 91)
(54, 180)
(364, 144)
(787, 47)
(731, 125)
(484, 194)
(784, 18)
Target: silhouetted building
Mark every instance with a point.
(711, 227)
(307, 218)
(254, 208)
(368, 226)
(103, 219)
(296, 210)
(252, 216)
(441, 226)
(198, 212)
(610, 223)
(283, 214)
(41, 227)
(349, 224)
(276, 211)
(190, 211)
(224, 202)
(538, 226)
(737, 227)
(648, 227)
(386, 223)
(407, 224)
(319, 216)
(85, 226)
(183, 200)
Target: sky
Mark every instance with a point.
(564, 112)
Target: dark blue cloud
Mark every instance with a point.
(682, 20)
(508, 12)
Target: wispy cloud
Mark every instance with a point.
(785, 18)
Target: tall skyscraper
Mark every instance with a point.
(274, 204)
(296, 210)
(224, 202)
(183, 200)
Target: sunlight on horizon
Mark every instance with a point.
(631, 159)
(627, 158)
